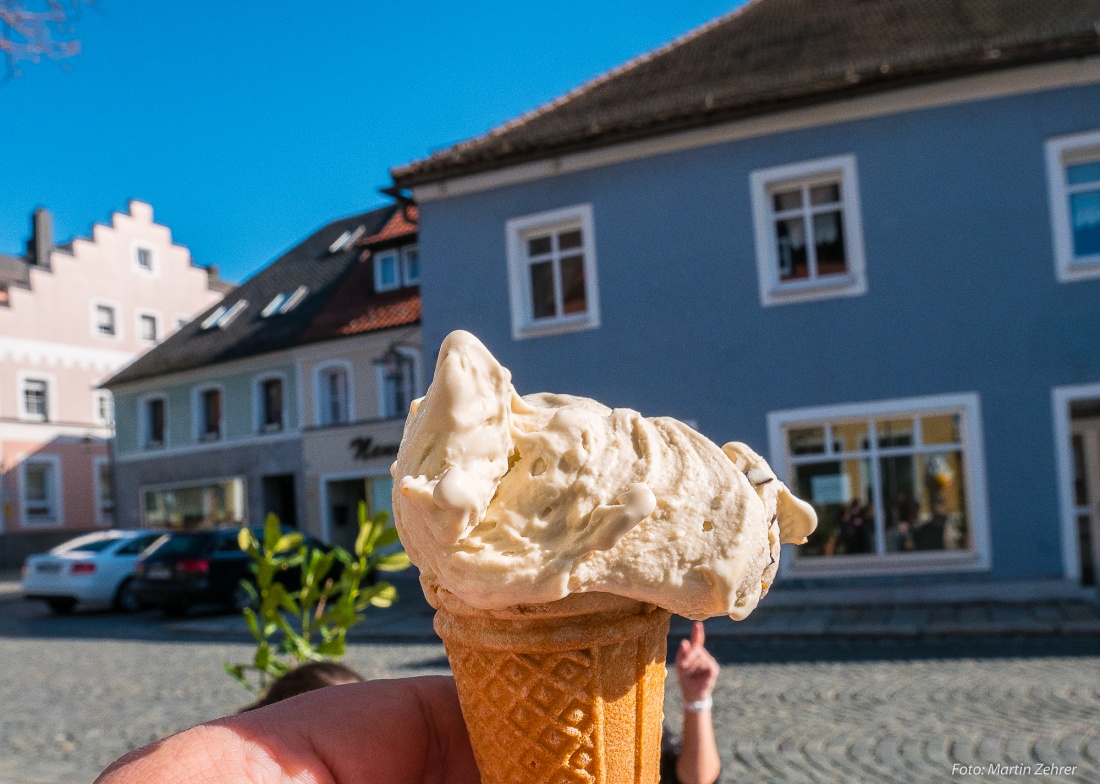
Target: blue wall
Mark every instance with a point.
(962, 291)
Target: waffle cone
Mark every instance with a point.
(557, 693)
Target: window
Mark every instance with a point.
(41, 490)
(206, 504)
(105, 322)
(552, 272)
(36, 399)
(284, 302)
(396, 383)
(153, 422)
(410, 266)
(386, 275)
(271, 405)
(143, 258)
(333, 395)
(104, 413)
(104, 487)
(892, 483)
(210, 414)
(182, 321)
(147, 324)
(222, 316)
(809, 232)
(1073, 178)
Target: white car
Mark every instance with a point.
(95, 569)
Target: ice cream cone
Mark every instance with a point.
(563, 692)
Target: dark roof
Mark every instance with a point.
(778, 54)
(348, 311)
(308, 264)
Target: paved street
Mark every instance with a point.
(78, 692)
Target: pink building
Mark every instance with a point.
(70, 317)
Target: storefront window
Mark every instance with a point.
(883, 487)
(196, 506)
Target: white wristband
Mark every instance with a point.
(699, 705)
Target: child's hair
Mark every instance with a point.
(307, 677)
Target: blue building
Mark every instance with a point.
(863, 237)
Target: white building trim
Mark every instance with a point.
(1061, 399)
(1061, 152)
(65, 355)
(517, 231)
(997, 84)
(762, 184)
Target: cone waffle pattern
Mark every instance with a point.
(578, 716)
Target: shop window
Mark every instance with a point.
(891, 484)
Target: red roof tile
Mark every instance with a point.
(354, 307)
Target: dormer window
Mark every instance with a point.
(387, 271)
(347, 239)
(285, 301)
(211, 321)
(222, 316)
(410, 265)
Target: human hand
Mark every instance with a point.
(406, 731)
(696, 669)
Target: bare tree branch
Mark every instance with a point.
(33, 29)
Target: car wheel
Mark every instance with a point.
(125, 598)
(61, 605)
(175, 609)
(241, 599)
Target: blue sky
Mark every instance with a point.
(248, 125)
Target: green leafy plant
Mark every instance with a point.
(311, 623)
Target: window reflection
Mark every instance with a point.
(883, 487)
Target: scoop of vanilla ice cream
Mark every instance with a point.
(506, 500)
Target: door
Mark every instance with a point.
(1086, 489)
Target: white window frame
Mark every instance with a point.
(1061, 152)
(977, 558)
(154, 258)
(320, 393)
(97, 396)
(51, 396)
(198, 417)
(144, 424)
(406, 278)
(258, 403)
(57, 516)
(380, 381)
(96, 304)
(395, 255)
(100, 517)
(181, 321)
(157, 326)
(517, 231)
(762, 183)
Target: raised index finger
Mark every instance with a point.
(698, 634)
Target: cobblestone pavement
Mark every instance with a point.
(788, 711)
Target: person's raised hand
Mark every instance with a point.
(696, 669)
(407, 731)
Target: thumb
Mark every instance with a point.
(698, 634)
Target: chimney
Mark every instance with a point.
(41, 242)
